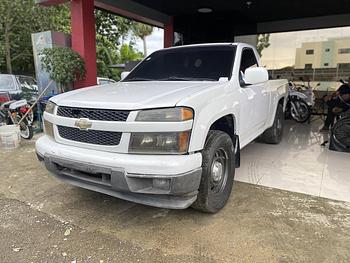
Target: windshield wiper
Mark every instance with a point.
(138, 79)
(186, 79)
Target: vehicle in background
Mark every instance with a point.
(340, 137)
(104, 81)
(299, 105)
(308, 90)
(170, 133)
(19, 86)
(12, 111)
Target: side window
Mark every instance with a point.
(248, 60)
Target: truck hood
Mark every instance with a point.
(133, 95)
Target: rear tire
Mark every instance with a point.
(340, 137)
(26, 129)
(218, 171)
(274, 134)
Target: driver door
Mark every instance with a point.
(254, 99)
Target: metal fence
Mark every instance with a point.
(317, 74)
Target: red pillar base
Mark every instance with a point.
(84, 39)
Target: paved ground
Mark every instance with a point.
(299, 163)
(45, 220)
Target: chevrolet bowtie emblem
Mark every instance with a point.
(83, 124)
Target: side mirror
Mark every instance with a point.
(124, 74)
(255, 75)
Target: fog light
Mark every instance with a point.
(48, 129)
(163, 184)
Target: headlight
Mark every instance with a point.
(50, 107)
(160, 142)
(164, 115)
(48, 129)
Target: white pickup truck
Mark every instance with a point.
(170, 133)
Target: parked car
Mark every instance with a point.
(104, 81)
(170, 133)
(19, 86)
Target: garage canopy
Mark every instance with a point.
(201, 21)
(220, 20)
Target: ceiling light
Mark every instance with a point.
(205, 10)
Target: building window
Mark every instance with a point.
(326, 64)
(327, 50)
(309, 52)
(308, 66)
(343, 50)
(344, 66)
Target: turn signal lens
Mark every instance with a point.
(186, 114)
(183, 141)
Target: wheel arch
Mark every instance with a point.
(227, 123)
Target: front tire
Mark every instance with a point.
(300, 111)
(218, 171)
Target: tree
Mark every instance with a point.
(111, 27)
(128, 53)
(110, 30)
(18, 20)
(106, 55)
(142, 31)
(125, 53)
(63, 64)
(263, 41)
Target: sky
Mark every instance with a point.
(154, 41)
(281, 52)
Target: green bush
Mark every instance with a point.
(63, 64)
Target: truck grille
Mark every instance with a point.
(93, 114)
(90, 136)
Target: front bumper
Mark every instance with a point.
(115, 176)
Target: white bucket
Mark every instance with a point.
(9, 136)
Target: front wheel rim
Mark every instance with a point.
(24, 131)
(219, 171)
(301, 113)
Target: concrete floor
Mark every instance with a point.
(299, 164)
(45, 220)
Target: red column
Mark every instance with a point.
(169, 33)
(84, 38)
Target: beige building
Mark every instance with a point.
(332, 53)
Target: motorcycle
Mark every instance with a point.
(340, 136)
(11, 112)
(297, 107)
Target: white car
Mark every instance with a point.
(104, 81)
(170, 133)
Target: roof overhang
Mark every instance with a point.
(230, 18)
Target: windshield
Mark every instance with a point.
(27, 82)
(198, 63)
(6, 82)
